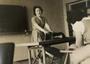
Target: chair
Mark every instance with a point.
(37, 59)
(68, 51)
(6, 53)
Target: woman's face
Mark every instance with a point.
(38, 12)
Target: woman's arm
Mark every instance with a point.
(47, 27)
(37, 26)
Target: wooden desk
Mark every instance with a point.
(47, 42)
(26, 44)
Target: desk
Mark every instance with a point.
(47, 42)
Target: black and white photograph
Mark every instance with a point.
(44, 31)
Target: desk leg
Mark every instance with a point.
(66, 58)
(43, 52)
(29, 56)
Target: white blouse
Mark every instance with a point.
(78, 31)
(78, 27)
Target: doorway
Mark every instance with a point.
(78, 9)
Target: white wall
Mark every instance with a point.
(68, 1)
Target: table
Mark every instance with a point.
(44, 43)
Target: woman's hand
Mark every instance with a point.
(45, 32)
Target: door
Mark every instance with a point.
(78, 9)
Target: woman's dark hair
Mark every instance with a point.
(35, 8)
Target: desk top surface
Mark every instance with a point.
(26, 44)
(47, 42)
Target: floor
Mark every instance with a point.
(26, 61)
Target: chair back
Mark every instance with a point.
(6, 53)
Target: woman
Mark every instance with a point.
(39, 28)
(39, 25)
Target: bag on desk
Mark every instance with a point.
(54, 35)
